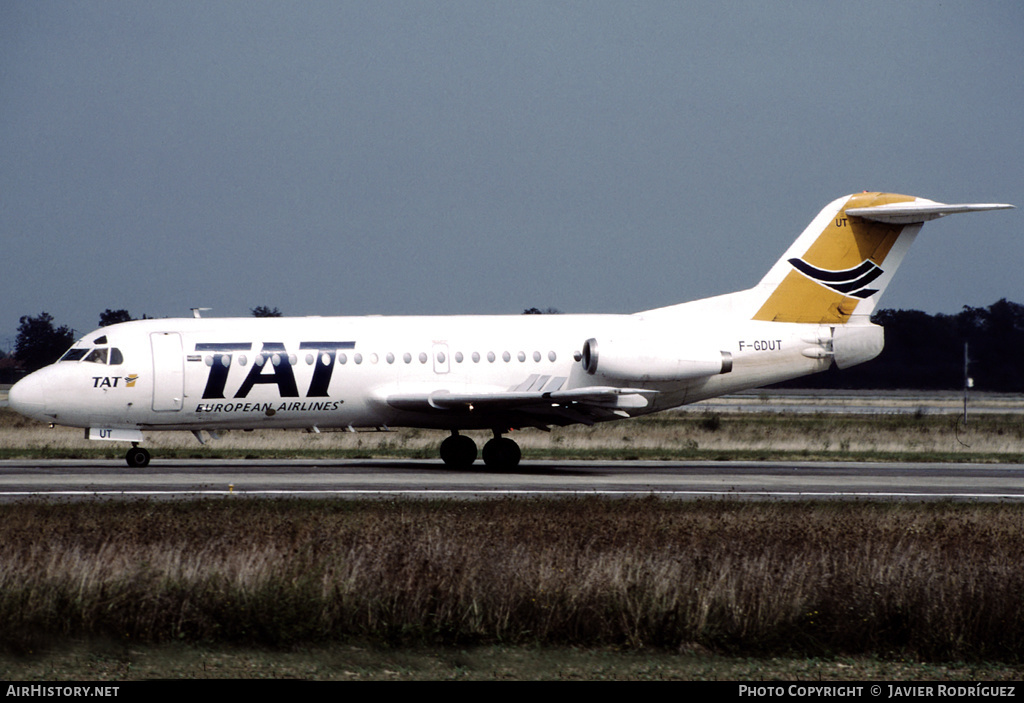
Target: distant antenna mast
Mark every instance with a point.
(968, 382)
(196, 312)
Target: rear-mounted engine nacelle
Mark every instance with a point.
(855, 344)
(646, 360)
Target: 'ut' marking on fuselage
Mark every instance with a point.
(271, 367)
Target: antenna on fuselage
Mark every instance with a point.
(196, 312)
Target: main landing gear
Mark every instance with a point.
(500, 453)
(137, 457)
(458, 451)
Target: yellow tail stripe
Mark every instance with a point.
(844, 244)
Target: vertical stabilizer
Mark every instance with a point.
(843, 261)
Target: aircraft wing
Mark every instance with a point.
(530, 408)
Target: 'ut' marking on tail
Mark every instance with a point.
(851, 281)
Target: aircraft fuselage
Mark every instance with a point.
(339, 372)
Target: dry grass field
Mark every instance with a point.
(446, 589)
(919, 581)
(716, 431)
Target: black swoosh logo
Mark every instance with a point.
(852, 281)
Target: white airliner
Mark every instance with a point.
(495, 373)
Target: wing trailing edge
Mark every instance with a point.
(603, 396)
(530, 408)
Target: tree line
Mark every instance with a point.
(922, 351)
(40, 342)
(926, 352)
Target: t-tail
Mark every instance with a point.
(836, 271)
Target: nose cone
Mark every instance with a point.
(28, 398)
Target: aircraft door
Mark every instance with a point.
(441, 363)
(168, 371)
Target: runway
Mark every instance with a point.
(422, 479)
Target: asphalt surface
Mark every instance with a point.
(388, 479)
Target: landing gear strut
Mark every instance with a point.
(137, 457)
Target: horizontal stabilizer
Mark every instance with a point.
(920, 210)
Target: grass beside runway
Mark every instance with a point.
(672, 436)
(896, 582)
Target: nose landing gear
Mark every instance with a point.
(137, 457)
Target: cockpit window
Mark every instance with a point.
(98, 356)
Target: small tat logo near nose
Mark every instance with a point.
(852, 281)
(114, 381)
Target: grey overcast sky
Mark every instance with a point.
(484, 157)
